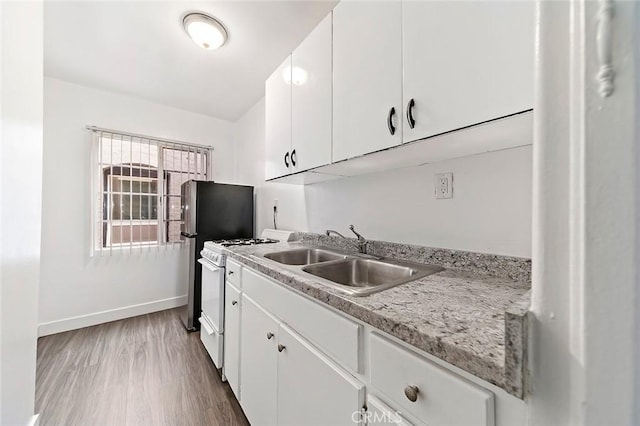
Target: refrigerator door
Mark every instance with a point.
(188, 313)
(188, 194)
(224, 211)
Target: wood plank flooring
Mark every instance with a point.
(140, 371)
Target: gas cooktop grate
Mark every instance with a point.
(244, 242)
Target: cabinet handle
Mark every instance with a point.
(281, 348)
(230, 272)
(269, 335)
(293, 157)
(411, 392)
(392, 128)
(286, 160)
(234, 302)
(410, 105)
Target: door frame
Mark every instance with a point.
(585, 336)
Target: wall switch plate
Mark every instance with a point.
(444, 185)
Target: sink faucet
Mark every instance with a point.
(328, 233)
(362, 242)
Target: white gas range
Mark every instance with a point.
(213, 263)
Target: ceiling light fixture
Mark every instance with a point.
(206, 31)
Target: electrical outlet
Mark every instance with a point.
(444, 185)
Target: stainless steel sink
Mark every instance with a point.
(361, 277)
(304, 256)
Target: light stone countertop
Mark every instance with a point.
(474, 321)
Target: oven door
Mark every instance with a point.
(213, 294)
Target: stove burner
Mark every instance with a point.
(244, 242)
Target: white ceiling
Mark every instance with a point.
(140, 49)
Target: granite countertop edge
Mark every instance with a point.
(508, 374)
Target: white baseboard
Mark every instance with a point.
(74, 323)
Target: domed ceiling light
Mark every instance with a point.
(206, 31)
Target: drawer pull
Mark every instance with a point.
(411, 392)
(234, 302)
(281, 348)
(269, 335)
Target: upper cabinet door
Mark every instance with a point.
(465, 63)
(311, 99)
(367, 77)
(278, 121)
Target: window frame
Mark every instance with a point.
(102, 187)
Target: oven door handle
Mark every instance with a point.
(206, 326)
(210, 266)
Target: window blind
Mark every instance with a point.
(136, 188)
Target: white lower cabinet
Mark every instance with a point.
(288, 377)
(258, 364)
(312, 390)
(425, 390)
(380, 414)
(231, 364)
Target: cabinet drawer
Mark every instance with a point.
(442, 397)
(334, 334)
(234, 273)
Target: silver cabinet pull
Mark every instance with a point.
(269, 335)
(411, 392)
(281, 348)
(234, 302)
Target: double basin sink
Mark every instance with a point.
(352, 274)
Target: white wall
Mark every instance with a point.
(249, 145)
(20, 200)
(490, 211)
(73, 284)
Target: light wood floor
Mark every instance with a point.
(140, 371)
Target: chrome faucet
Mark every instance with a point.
(362, 242)
(328, 233)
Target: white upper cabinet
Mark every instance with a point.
(278, 121)
(367, 77)
(311, 99)
(401, 71)
(465, 63)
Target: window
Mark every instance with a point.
(137, 184)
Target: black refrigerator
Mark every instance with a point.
(210, 211)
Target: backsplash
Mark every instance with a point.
(516, 268)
